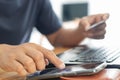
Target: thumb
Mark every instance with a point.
(105, 16)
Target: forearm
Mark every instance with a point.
(67, 37)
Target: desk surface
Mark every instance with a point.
(107, 74)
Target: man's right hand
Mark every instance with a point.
(26, 58)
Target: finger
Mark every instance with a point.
(84, 24)
(46, 61)
(27, 62)
(96, 18)
(106, 16)
(38, 58)
(97, 35)
(18, 67)
(14, 66)
(100, 27)
(92, 18)
(88, 21)
(50, 55)
(100, 17)
(6, 66)
(53, 59)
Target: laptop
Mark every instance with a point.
(85, 54)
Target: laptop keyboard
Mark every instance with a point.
(85, 54)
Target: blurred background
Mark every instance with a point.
(68, 10)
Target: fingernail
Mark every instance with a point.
(106, 16)
(62, 66)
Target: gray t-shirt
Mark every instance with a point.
(18, 17)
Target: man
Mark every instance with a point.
(17, 19)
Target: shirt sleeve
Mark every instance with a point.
(47, 21)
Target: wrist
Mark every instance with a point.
(80, 32)
(2, 47)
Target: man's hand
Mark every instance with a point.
(96, 33)
(72, 37)
(26, 58)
